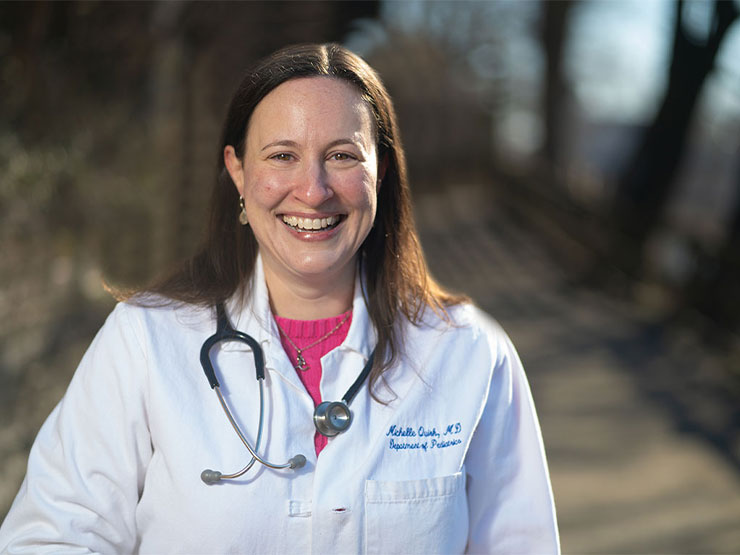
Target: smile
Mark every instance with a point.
(311, 224)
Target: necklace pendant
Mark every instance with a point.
(302, 366)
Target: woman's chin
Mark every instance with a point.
(328, 268)
(312, 267)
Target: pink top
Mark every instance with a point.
(305, 332)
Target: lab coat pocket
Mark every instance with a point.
(416, 516)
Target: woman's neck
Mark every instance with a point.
(305, 299)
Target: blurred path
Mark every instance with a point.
(641, 433)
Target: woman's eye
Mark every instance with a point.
(282, 157)
(342, 156)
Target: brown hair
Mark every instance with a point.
(397, 279)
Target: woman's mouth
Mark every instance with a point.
(311, 224)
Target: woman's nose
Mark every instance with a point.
(312, 187)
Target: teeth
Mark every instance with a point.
(310, 223)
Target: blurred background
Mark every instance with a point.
(575, 170)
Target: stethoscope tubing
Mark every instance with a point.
(324, 423)
(238, 431)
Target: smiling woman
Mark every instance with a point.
(311, 280)
(309, 180)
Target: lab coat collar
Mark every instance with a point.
(361, 336)
(256, 319)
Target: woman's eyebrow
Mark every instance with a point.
(341, 142)
(286, 142)
(293, 144)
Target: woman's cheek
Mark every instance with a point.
(265, 190)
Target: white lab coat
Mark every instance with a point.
(454, 462)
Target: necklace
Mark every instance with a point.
(302, 365)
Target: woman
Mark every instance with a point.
(311, 251)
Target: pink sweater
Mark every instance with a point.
(305, 332)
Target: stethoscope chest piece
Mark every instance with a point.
(332, 418)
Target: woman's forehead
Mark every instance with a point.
(310, 106)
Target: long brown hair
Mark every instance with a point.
(397, 280)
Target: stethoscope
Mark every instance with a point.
(330, 417)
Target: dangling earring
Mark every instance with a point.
(243, 214)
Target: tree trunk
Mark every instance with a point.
(649, 179)
(554, 33)
(714, 290)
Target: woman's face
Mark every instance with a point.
(309, 177)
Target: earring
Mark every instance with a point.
(243, 214)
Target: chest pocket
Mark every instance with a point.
(416, 516)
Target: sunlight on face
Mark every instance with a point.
(309, 178)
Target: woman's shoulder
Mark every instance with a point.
(152, 315)
(465, 318)
(467, 324)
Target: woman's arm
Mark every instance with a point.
(86, 468)
(509, 494)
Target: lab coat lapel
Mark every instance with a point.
(342, 366)
(256, 319)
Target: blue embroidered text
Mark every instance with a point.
(426, 437)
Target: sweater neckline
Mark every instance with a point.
(309, 329)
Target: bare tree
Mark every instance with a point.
(648, 180)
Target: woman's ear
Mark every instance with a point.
(382, 167)
(235, 168)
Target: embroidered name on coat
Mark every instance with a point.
(423, 438)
